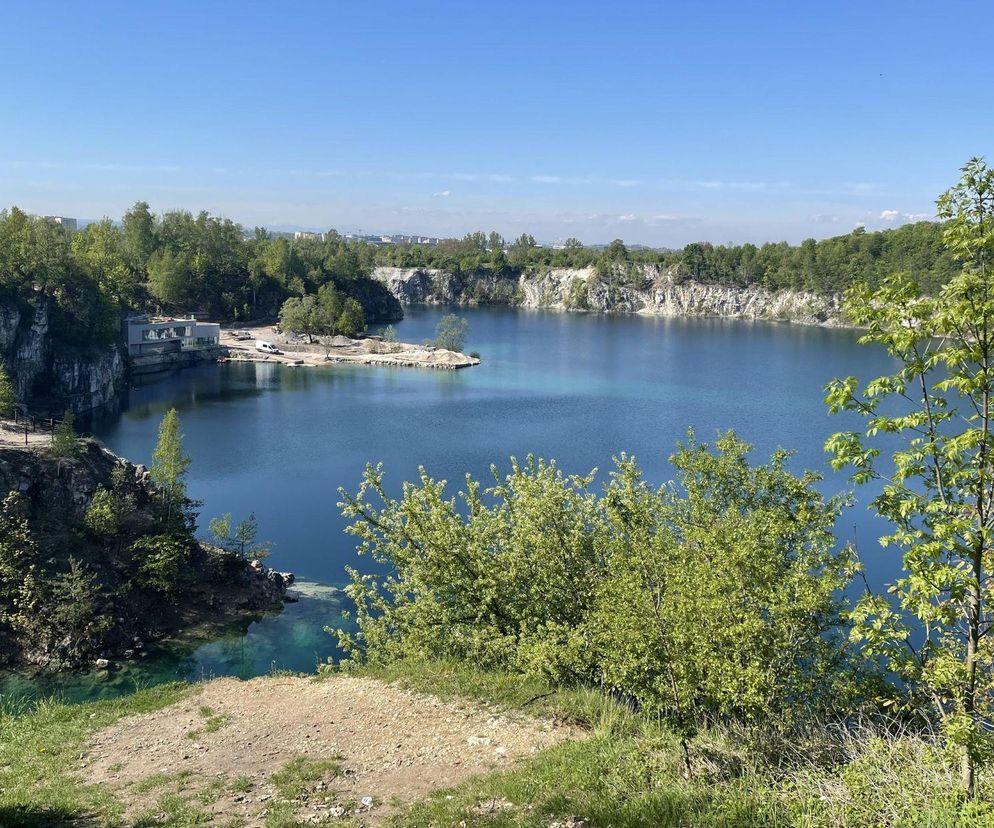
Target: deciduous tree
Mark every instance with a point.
(938, 489)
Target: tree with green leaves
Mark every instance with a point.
(503, 579)
(721, 593)
(161, 562)
(330, 302)
(101, 518)
(938, 488)
(352, 320)
(241, 539)
(304, 315)
(451, 332)
(713, 597)
(8, 394)
(65, 445)
(169, 466)
(73, 614)
(18, 552)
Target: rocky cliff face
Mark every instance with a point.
(218, 586)
(647, 290)
(51, 375)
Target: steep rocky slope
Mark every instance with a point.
(212, 585)
(52, 375)
(648, 290)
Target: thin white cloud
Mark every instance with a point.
(896, 216)
(442, 194)
(546, 179)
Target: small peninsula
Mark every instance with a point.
(322, 350)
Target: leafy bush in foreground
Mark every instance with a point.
(716, 597)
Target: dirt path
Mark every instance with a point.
(338, 747)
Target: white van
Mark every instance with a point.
(266, 347)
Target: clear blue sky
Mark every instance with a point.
(660, 122)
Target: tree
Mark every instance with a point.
(352, 320)
(8, 395)
(169, 277)
(616, 251)
(330, 302)
(721, 592)
(73, 615)
(505, 579)
(303, 315)
(64, 442)
(242, 540)
(715, 597)
(169, 465)
(138, 232)
(161, 562)
(939, 405)
(101, 517)
(18, 552)
(451, 332)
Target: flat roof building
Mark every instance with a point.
(166, 334)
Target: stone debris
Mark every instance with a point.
(388, 746)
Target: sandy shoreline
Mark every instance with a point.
(338, 350)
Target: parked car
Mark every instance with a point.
(266, 347)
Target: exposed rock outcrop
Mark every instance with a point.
(51, 375)
(647, 290)
(213, 586)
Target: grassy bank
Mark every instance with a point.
(40, 748)
(629, 771)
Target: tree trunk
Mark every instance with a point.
(968, 771)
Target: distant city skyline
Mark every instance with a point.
(442, 118)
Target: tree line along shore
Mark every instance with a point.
(178, 262)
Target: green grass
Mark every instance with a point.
(212, 723)
(292, 781)
(629, 773)
(40, 747)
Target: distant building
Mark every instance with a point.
(303, 234)
(165, 334)
(68, 223)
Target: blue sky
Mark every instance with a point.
(661, 122)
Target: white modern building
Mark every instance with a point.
(165, 334)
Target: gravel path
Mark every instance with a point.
(226, 741)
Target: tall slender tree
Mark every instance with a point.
(169, 465)
(938, 489)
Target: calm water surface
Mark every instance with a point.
(281, 441)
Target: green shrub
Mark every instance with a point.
(161, 561)
(714, 598)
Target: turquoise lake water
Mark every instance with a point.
(579, 388)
